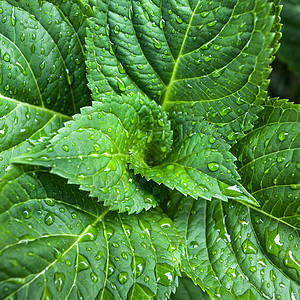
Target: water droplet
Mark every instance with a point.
(273, 244)
(117, 29)
(111, 269)
(232, 136)
(42, 65)
(46, 294)
(213, 23)
(26, 214)
(225, 110)
(204, 14)
(283, 136)
(162, 23)
(140, 66)
(157, 44)
(179, 20)
(59, 280)
(123, 277)
(213, 166)
(94, 277)
(212, 139)
(121, 84)
(248, 247)
(65, 148)
(3, 130)
(165, 274)
(295, 186)
(22, 69)
(127, 229)
(49, 201)
(6, 56)
(165, 222)
(108, 232)
(291, 261)
(49, 219)
(253, 269)
(89, 234)
(83, 263)
(124, 255)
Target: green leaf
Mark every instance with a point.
(42, 72)
(199, 165)
(208, 58)
(188, 290)
(234, 251)
(290, 44)
(269, 159)
(57, 242)
(244, 252)
(95, 148)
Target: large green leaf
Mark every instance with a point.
(207, 58)
(239, 251)
(199, 165)
(269, 160)
(42, 71)
(58, 243)
(95, 148)
(234, 251)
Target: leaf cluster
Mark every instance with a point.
(141, 156)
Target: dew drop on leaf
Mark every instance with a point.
(121, 84)
(3, 130)
(83, 263)
(99, 255)
(21, 68)
(49, 219)
(116, 29)
(248, 247)
(89, 234)
(94, 277)
(156, 43)
(59, 280)
(282, 136)
(49, 201)
(42, 65)
(26, 214)
(46, 294)
(65, 148)
(123, 277)
(213, 166)
(6, 56)
(108, 232)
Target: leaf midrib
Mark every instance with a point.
(42, 109)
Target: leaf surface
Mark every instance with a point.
(42, 71)
(208, 58)
(94, 150)
(240, 251)
(56, 242)
(199, 165)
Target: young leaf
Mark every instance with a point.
(94, 149)
(42, 71)
(57, 242)
(203, 57)
(199, 165)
